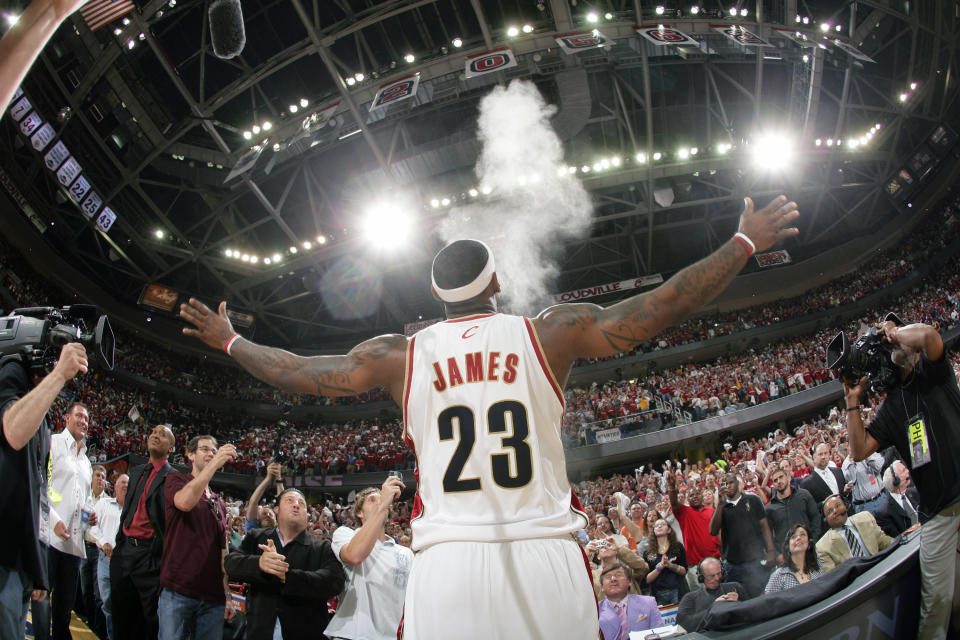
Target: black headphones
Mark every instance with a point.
(700, 577)
(896, 478)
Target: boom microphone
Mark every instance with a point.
(227, 34)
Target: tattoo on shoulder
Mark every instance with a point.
(573, 315)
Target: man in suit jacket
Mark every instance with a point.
(898, 511)
(135, 563)
(621, 613)
(291, 574)
(859, 535)
(824, 481)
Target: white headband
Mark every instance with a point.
(471, 289)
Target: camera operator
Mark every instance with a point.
(259, 517)
(23, 452)
(919, 416)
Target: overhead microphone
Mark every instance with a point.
(227, 34)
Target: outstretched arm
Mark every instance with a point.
(378, 361)
(573, 331)
(23, 42)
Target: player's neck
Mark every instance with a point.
(469, 308)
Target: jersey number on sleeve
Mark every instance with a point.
(499, 462)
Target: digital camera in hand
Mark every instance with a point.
(869, 356)
(37, 334)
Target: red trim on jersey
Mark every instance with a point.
(407, 379)
(543, 360)
(400, 627)
(468, 318)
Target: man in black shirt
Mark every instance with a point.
(789, 506)
(291, 575)
(921, 418)
(24, 448)
(746, 533)
(696, 605)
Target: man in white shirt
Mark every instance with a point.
(105, 533)
(62, 522)
(92, 604)
(377, 568)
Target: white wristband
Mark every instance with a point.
(230, 342)
(752, 248)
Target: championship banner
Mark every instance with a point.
(496, 60)
(245, 163)
(665, 34)
(740, 35)
(608, 435)
(319, 118)
(773, 258)
(853, 51)
(159, 297)
(797, 37)
(581, 40)
(396, 91)
(612, 287)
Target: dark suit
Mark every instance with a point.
(315, 575)
(819, 489)
(891, 516)
(135, 566)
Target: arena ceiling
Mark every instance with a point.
(158, 122)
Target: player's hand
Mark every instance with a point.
(273, 470)
(73, 360)
(212, 328)
(61, 530)
(272, 562)
(226, 453)
(769, 225)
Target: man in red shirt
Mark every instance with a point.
(195, 597)
(695, 524)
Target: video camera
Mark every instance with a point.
(869, 356)
(35, 335)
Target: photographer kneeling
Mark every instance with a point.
(919, 417)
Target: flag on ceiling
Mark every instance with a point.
(99, 13)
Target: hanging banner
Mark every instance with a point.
(611, 287)
(79, 189)
(797, 37)
(55, 157)
(740, 35)
(396, 91)
(853, 51)
(773, 258)
(665, 34)
(581, 40)
(245, 163)
(30, 124)
(319, 118)
(19, 109)
(496, 60)
(608, 435)
(69, 172)
(44, 136)
(106, 219)
(91, 205)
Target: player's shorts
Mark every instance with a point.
(520, 590)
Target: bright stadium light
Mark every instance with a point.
(772, 151)
(387, 226)
(659, 10)
(657, 155)
(683, 154)
(512, 31)
(641, 157)
(592, 17)
(528, 28)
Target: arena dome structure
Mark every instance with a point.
(258, 179)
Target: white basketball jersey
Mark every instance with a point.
(483, 414)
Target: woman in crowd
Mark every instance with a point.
(648, 521)
(669, 562)
(801, 566)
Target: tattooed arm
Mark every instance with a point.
(572, 331)
(376, 362)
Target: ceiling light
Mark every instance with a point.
(126, 21)
(913, 86)
(806, 58)
(733, 12)
(359, 77)
(117, 31)
(683, 154)
(304, 102)
(445, 202)
(435, 202)
(486, 190)
(528, 28)
(142, 36)
(657, 155)
(267, 125)
(131, 44)
(824, 26)
(772, 151)
(245, 258)
(512, 31)
(608, 16)
(254, 259)
(276, 257)
(307, 245)
(247, 135)
(694, 10)
(818, 142)
(457, 42)
(798, 18)
(829, 142)
(806, 19)
(351, 81)
(293, 108)
(853, 143)
(276, 147)
(592, 17)
(659, 10)
(839, 28)
(267, 261)
(903, 97)
(641, 157)
(293, 249)
(321, 239)
(585, 169)
(159, 234)
(694, 151)
(744, 12)
(409, 57)
(256, 129)
(473, 193)
(615, 161)
(387, 226)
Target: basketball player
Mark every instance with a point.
(482, 400)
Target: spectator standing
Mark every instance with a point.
(695, 605)
(608, 555)
(24, 403)
(621, 613)
(105, 533)
(377, 568)
(135, 560)
(89, 587)
(254, 516)
(743, 527)
(825, 480)
(800, 561)
(789, 507)
(668, 562)
(195, 598)
(898, 512)
(71, 477)
(858, 536)
(867, 490)
(291, 575)
(694, 521)
(919, 417)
